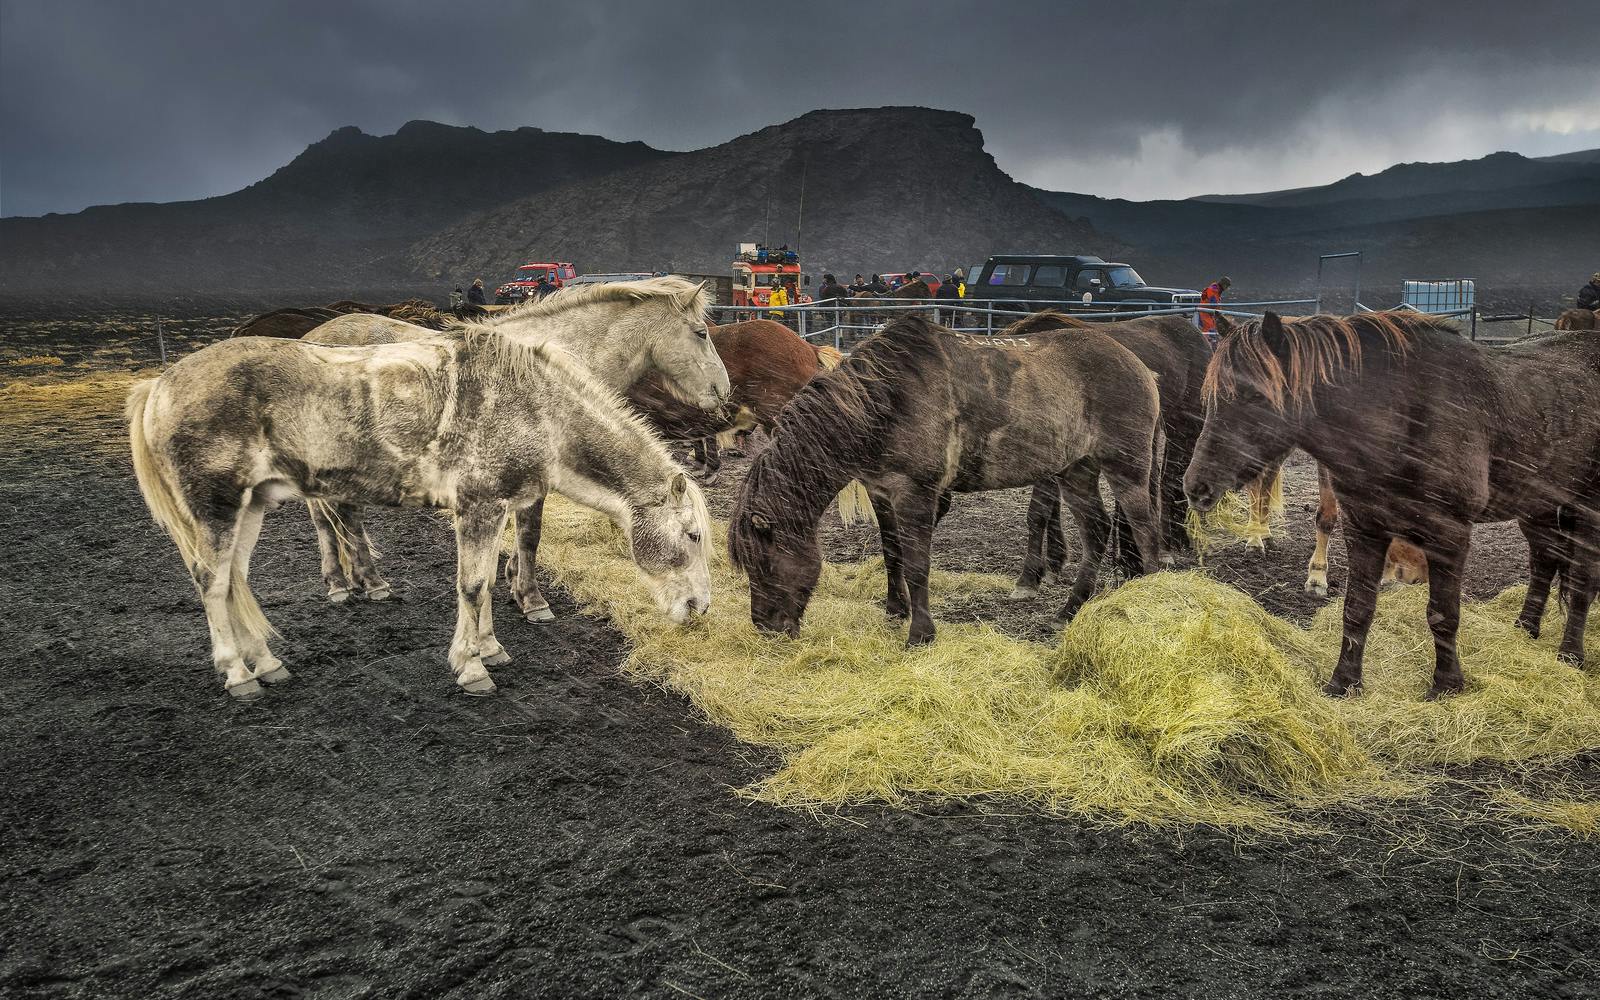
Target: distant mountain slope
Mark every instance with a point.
(884, 189)
(1494, 173)
(328, 219)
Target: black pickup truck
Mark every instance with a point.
(1028, 281)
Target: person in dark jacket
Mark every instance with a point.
(878, 286)
(859, 285)
(947, 290)
(542, 287)
(1589, 295)
(831, 289)
(475, 293)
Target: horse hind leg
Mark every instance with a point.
(1258, 532)
(363, 555)
(249, 624)
(1327, 520)
(478, 532)
(213, 575)
(335, 555)
(1043, 505)
(1080, 492)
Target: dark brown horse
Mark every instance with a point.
(1578, 319)
(919, 412)
(295, 322)
(1172, 348)
(1423, 435)
(767, 364)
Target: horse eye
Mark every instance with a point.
(701, 333)
(694, 536)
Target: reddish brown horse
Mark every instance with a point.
(1579, 319)
(1423, 434)
(767, 364)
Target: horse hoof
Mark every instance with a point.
(339, 596)
(1530, 627)
(1050, 576)
(540, 616)
(480, 688)
(276, 676)
(1020, 593)
(379, 594)
(1570, 658)
(247, 691)
(1334, 689)
(711, 480)
(1437, 693)
(1316, 589)
(495, 659)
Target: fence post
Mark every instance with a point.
(800, 321)
(1474, 315)
(1530, 319)
(161, 342)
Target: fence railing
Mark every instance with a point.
(845, 321)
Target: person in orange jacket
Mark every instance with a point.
(1212, 296)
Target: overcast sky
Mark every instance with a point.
(156, 101)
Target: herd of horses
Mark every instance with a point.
(1418, 434)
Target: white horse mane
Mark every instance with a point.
(685, 295)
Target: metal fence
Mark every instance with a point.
(845, 322)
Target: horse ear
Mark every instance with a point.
(1272, 331)
(761, 523)
(678, 487)
(1225, 326)
(687, 296)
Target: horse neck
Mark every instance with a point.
(818, 472)
(603, 456)
(616, 354)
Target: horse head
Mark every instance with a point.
(681, 348)
(776, 549)
(670, 544)
(1248, 428)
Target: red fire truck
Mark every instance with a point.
(528, 276)
(757, 270)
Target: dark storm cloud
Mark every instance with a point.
(160, 101)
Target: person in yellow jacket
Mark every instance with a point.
(779, 297)
(961, 283)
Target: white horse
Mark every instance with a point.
(619, 332)
(477, 423)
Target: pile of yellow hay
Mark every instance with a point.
(1171, 699)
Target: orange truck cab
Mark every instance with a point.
(528, 275)
(758, 270)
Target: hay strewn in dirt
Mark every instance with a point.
(1232, 522)
(1172, 699)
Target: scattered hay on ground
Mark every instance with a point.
(36, 361)
(1173, 699)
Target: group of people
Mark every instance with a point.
(474, 295)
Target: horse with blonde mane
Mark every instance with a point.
(767, 364)
(1423, 434)
(619, 332)
(479, 424)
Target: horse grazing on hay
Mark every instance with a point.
(767, 364)
(1423, 434)
(618, 332)
(289, 324)
(919, 412)
(478, 424)
(1177, 354)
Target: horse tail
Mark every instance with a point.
(170, 511)
(828, 358)
(166, 506)
(855, 506)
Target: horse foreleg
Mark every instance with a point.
(1042, 505)
(1131, 487)
(1365, 548)
(896, 603)
(711, 453)
(524, 582)
(1079, 488)
(1327, 519)
(1259, 531)
(478, 531)
(1579, 588)
(1055, 539)
(1447, 555)
(916, 515)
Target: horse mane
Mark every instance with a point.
(1043, 320)
(684, 294)
(835, 423)
(1313, 351)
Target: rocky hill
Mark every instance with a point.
(333, 218)
(883, 190)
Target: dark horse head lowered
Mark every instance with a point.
(919, 413)
(1423, 434)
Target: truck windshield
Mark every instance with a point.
(1125, 277)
